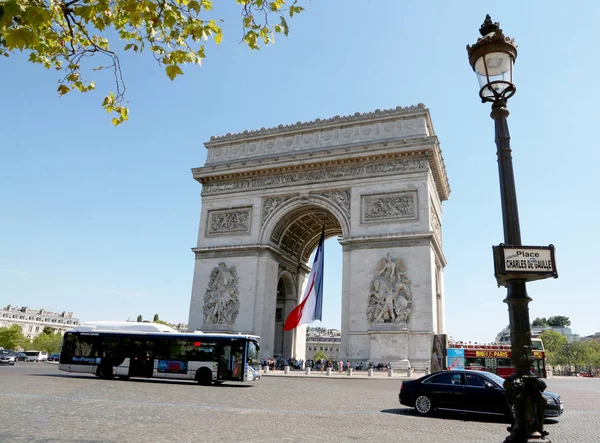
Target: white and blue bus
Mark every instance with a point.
(151, 350)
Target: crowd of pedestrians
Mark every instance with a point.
(321, 365)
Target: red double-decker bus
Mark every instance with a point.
(493, 357)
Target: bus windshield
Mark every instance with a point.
(253, 352)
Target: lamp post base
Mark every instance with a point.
(525, 393)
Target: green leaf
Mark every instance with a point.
(19, 38)
(63, 89)
(284, 25)
(173, 71)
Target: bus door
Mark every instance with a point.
(539, 368)
(141, 363)
(231, 362)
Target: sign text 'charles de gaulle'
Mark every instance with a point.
(527, 263)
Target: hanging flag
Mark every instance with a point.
(311, 306)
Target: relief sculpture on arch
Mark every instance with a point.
(221, 300)
(390, 293)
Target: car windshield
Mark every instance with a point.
(5, 352)
(495, 378)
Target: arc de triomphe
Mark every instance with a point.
(375, 180)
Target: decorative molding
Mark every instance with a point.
(390, 293)
(340, 197)
(321, 175)
(229, 221)
(358, 116)
(436, 224)
(269, 204)
(282, 268)
(221, 299)
(396, 206)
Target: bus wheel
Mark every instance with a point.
(105, 372)
(204, 377)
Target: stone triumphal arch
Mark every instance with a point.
(374, 180)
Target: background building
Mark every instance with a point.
(323, 339)
(33, 321)
(536, 331)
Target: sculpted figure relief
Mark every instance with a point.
(221, 300)
(390, 293)
(229, 221)
(386, 207)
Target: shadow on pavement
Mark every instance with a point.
(141, 380)
(453, 415)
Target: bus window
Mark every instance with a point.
(537, 344)
(203, 352)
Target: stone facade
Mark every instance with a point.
(330, 345)
(374, 180)
(33, 321)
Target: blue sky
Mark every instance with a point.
(100, 220)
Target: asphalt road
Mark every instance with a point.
(39, 403)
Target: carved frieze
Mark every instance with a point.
(221, 299)
(340, 197)
(390, 293)
(309, 177)
(389, 207)
(269, 204)
(229, 221)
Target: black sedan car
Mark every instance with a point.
(465, 391)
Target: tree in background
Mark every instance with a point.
(13, 338)
(559, 321)
(319, 355)
(554, 345)
(63, 35)
(140, 318)
(540, 322)
(49, 343)
(155, 319)
(48, 330)
(577, 354)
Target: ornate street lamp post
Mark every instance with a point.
(492, 59)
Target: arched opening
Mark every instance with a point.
(296, 235)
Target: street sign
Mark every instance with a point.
(527, 263)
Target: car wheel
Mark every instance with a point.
(423, 405)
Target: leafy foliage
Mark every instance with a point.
(554, 344)
(155, 319)
(140, 318)
(13, 338)
(49, 343)
(62, 34)
(559, 320)
(48, 330)
(320, 355)
(540, 322)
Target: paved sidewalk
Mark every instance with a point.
(377, 375)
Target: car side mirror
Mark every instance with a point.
(489, 385)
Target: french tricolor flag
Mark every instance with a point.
(311, 306)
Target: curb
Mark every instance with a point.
(340, 376)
